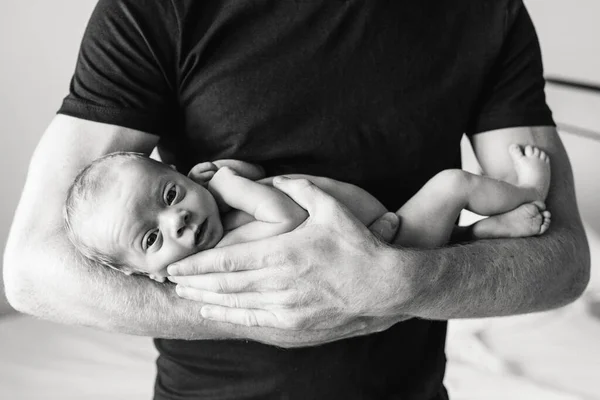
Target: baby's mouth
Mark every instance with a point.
(200, 232)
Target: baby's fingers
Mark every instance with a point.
(202, 173)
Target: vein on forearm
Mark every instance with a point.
(501, 276)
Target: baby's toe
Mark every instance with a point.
(540, 205)
(547, 214)
(515, 151)
(545, 156)
(528, 151)
(535, 223)
(545, 223)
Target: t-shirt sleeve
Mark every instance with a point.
(125, 73)
(513, 94)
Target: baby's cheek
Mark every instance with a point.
(171, 255)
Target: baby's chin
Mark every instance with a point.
(162, 274)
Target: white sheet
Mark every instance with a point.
(41, 360)
(550, 356)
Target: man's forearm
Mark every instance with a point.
(73, 291)
(496, 277)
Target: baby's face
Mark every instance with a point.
(153, 216)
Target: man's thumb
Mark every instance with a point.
(304, 192)
(386, 227)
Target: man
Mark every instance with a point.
(364, 92)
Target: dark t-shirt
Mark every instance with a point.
(376, 93)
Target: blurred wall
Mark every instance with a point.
(39, 41)
(569, 39)
(569, 33)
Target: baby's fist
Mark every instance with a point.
(202, 173)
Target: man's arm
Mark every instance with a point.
(495, 277)
(508, 276)
(484, 278)
(45, 277)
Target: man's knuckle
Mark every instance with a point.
(224, 263)
(231, 301)
(277, 283)
(295, 322)
(336, 210)
(304, 183)
(250, 320)
(289, 300)
(221, 285)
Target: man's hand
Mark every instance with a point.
(326, 274)
(306, 338)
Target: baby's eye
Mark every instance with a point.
(151, 239)
(171, 195)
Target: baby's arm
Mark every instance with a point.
(361, 203)
(273, 211)
(262, 211)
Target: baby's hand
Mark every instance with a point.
(245, 169)
(202, 173)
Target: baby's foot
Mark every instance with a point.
(533, 168)
(526, 220)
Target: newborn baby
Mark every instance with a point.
(137, 215)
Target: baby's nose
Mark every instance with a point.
(179, 220)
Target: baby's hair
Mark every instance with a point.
(92, 181)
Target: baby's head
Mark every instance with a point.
(137, 215)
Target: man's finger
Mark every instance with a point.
(239, 257)
(254, 300)
(242, 281)
(386, 227)
(240, 316)
(303, 192)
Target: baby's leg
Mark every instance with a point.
(429, 216)
(427, 219)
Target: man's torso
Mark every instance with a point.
(374, 93)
